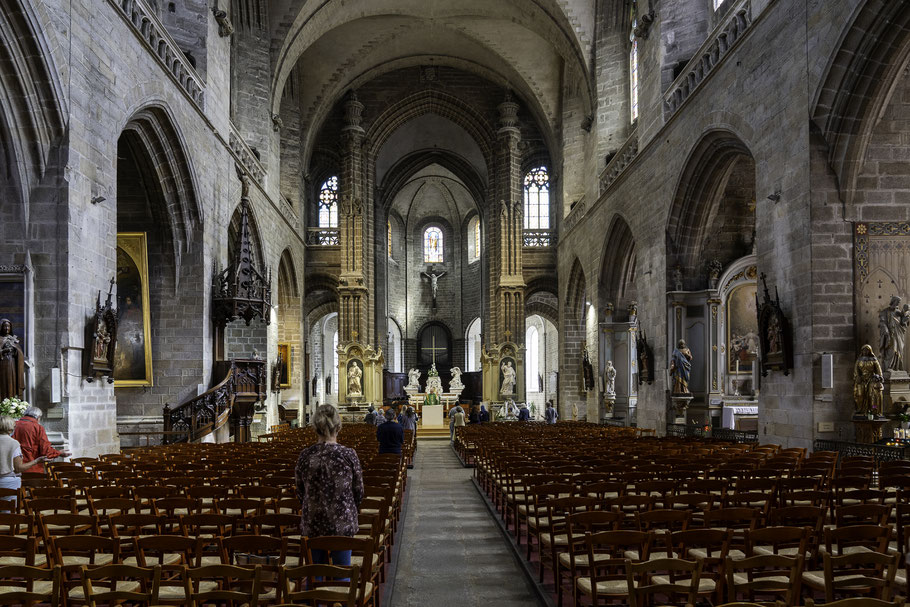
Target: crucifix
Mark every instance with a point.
(434, 285)
(433, 349)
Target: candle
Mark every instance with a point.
(737, 366)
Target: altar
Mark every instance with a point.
(432, 415)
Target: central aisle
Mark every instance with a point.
(451, 551)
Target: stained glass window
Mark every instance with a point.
(389, 236)
(537, 199)
(328, 203)
(432, 245)
(474, 240)
(633, 74)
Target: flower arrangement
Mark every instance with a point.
(13, 407)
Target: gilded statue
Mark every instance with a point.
(867, 383)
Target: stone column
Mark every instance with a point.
(510, 285)
(353, 301)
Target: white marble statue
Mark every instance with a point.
(455, 385)
(508, 379)
(413, 379)
(610, 378)
(354, 375)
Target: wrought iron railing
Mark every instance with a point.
(735, 436)
(881, 453)
(323, 237)
(539, 238)
(720, 434)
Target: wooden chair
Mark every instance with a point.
(24, 585)
(202, 587)
(860, 602)
(574, 561)
(609, 553)
(362, 551)
(315, 584)
(859, 573)
(674, 577)
(770, 575)
(20, 550)
(712, 547)
(112, 585)
(173, 554)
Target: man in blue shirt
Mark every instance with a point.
(390, 434)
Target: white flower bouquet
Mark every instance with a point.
(13, 407)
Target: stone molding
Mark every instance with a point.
(725, 36)
(156, 38)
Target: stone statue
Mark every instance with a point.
(715, 267)
(587, 372)
(677, 278)
(575, 411)
(414, 379)
(680, 367)
(12, 363)
(610, 378)
(892, 326)
(868, 383)
(434, 282)
(508, 378)
(354, 375)
(455, 384)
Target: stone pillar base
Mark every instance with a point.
(680, 404)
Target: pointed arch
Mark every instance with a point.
(152, 128)
(618, 266)
(700, 205)
(32, 103)
(874, 50)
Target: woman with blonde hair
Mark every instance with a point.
(329, 483)
(11, 464)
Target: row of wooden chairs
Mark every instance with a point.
(117, 584)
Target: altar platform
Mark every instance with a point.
(432, 432)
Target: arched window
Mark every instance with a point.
(432, 245)
(718, 3)
(473, 346)
(633, 73)
(335, 360)
(537, 199)
(532, 356)
(328, 203)
(474, 239)
(394, 358)
(389, 236)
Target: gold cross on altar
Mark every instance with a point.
(508, 334)
(354, 334)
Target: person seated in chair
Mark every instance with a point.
(390, 434)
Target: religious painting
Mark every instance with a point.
(133, 354)
(284, 365)
(742, 329)
(355, 377)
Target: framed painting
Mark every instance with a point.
(284, 366)
(742, 329)
(133, 353)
